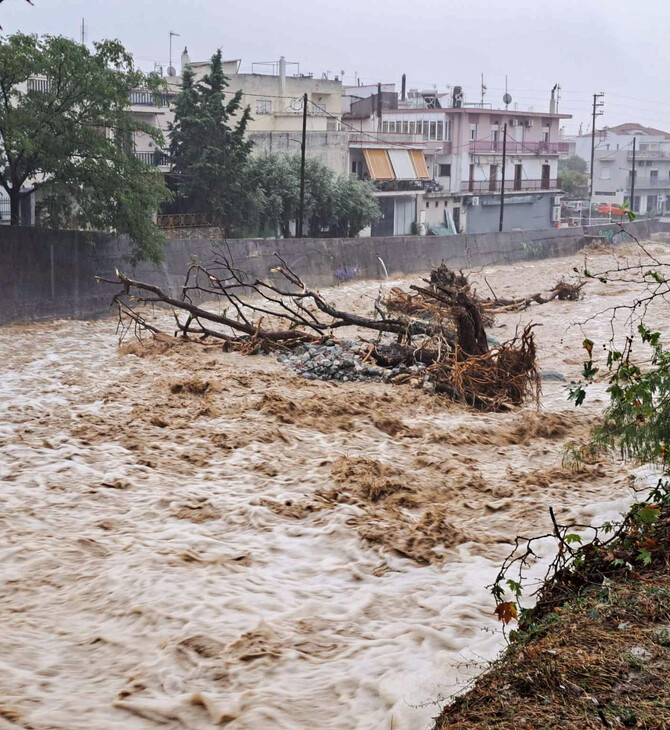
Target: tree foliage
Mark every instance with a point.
(70, 137)
(208, 149)
(572, 175)
(334, 205)
(574, 163)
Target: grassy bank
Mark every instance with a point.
(596, 651)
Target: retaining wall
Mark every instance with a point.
(47, 274)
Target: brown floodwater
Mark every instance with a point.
(194, 539)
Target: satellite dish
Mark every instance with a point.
(507, 99)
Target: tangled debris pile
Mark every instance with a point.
(432, 337)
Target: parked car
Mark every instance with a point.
(610, 209)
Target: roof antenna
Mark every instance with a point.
(171, 71)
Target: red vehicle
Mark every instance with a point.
(610, 209)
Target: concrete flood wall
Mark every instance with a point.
(46, 274)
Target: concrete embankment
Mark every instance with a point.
(48, 274)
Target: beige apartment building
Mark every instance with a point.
(275, 98)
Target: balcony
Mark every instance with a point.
(650, 184)
(148, 98)
(650, 155)
(382, 139)
(511, 186)
(154, 159)
(516, 148)
(42, 85)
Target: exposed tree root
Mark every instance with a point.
(440, 324)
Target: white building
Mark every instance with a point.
(613, 166)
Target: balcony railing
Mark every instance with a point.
(514, 147)
(650, 155)
(155, 159)
(511, 186)
(42, 85)
(643, 184)
(148, 98)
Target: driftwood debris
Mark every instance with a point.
(440, 324)
(562, 290)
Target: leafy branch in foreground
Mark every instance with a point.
(637, 424)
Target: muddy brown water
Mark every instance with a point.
(193, 539)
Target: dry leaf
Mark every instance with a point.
(506, 611)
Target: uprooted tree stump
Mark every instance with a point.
(440, 324)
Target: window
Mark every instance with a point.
(445, 171)
(391, 126)
(412, 127)
(385, 126)
(425, 130)
(405, 127)
(545, 134)
(440, 130)
(473, 132)
(433, 130)
(263, 106)
(653, 175)
(447, 129)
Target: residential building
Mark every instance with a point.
(613, 166)
(463, 148)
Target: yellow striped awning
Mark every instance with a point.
(419, 163)
(379, 164)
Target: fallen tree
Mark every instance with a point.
(439, 325)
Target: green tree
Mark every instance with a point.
(572, 175)
(355, 206)
(575, 163)
(334, 206)
(66, 131)
(208, 149)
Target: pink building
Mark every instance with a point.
(463, 148)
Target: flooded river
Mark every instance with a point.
(182, 559)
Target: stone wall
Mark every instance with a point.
(46, 274)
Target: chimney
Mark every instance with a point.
(403, 88)
(282, 76)
(552, 103)
(185, 60)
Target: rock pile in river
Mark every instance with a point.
(346, 361)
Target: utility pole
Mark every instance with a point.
(632, 180)
(301, 210)
(596, 105)
(502, 189)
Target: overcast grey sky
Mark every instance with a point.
(618, 47)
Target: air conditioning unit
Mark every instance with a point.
(475, 200)
(528, 123)
(556, 214)
(513, 122)
(556, 200)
